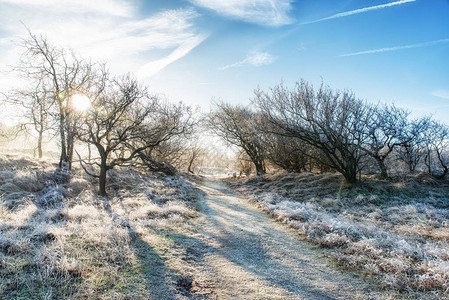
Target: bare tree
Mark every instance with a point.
(193, 157)
(288, 153)
(61, 74)
(237, 126)
(125, 122)
(413, 143)
(169, 122)
(37, 115)
(182, 151)
(331, 121)
(244, 163)
(385, 131)
(437, 148)
(7, 133)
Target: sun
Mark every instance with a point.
(80, 102)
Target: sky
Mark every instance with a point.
(196, 51)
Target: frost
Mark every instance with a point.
(403, 240)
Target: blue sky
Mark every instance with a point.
(197, 50)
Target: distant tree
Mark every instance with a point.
(217, 158)
(169, 125)
(244, 163)
(7, 133)
(194, 156)
(413, 143)
(126, 121)
(237, 126)
(288, 153)
(385, 131)
(38, 111)
(437, 148)
(182, 151)
(330, 121)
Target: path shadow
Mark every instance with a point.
(161, 282)
(231, 226)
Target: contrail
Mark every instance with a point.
(426, 44)
(360, 10)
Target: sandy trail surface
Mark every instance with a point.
(238, 252)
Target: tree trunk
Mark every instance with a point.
(350, 175)
(102, 179)
(382, 167)
(103, 169)
(443, 165)
(39, 145)
(189, 168)
(63, 157)
(428, 161)
(350, 178)
(260, 167)
(67, 138)
(70, 145)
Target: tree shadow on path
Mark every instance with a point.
(235, 238)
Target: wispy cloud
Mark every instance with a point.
(255, 59)
(426, 44)
(154, 67)
(109, 30)
(361, 10)
(444, 94)
(263, 12)
(112, 7)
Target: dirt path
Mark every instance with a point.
(238, 252)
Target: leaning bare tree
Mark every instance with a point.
(124, 122)
(193, 157)
(187, 153)
(169, 123)
(330, 121)
(237, 126)
(180, 151)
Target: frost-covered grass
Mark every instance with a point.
(60, 240)
(394, 231)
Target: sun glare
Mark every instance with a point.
(80, 102)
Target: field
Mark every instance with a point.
(60, 240)
(395, 232)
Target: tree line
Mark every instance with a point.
(125, 124)
(296, 129)
(306, 129)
